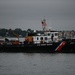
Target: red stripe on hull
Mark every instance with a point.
(59, 48)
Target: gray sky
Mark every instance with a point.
(24, 14)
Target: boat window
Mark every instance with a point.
(37, 38)
(56, 34)
(41, 38)
(45, 34)
(45, 38)
(49, 34)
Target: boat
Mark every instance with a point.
(34, 42)
(67, 46)
(46, 42)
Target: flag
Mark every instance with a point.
(44, 23)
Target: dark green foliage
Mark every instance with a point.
(9, 32)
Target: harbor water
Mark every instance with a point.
(37, 64)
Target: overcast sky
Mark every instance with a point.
(24, 14)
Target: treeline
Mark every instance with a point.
(22, 33)
(13, 33)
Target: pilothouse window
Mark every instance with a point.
(37, 38)
(49, 34)
(45, 38)
(56, 34)
(41, 38)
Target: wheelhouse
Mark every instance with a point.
(46, 37)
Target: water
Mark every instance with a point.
(37, 64)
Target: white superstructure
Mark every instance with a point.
(46, 37)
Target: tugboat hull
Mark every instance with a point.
(67, 46)
(37, 48)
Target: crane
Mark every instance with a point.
(15, 35)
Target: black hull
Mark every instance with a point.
(68, 47)
(40, 48)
